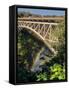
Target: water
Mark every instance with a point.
(41, 58)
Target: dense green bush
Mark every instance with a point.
(41, 76)
(57, 72)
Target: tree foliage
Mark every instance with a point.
(28, 47)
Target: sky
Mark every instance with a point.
(43, 11)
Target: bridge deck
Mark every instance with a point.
(42, 18)
(38, 22)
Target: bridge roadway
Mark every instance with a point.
(42, 18)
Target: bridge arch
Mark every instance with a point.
(38, 36)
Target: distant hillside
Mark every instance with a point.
(28, 14)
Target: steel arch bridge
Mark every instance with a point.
(42, 30)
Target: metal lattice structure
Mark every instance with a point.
(42, 30)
